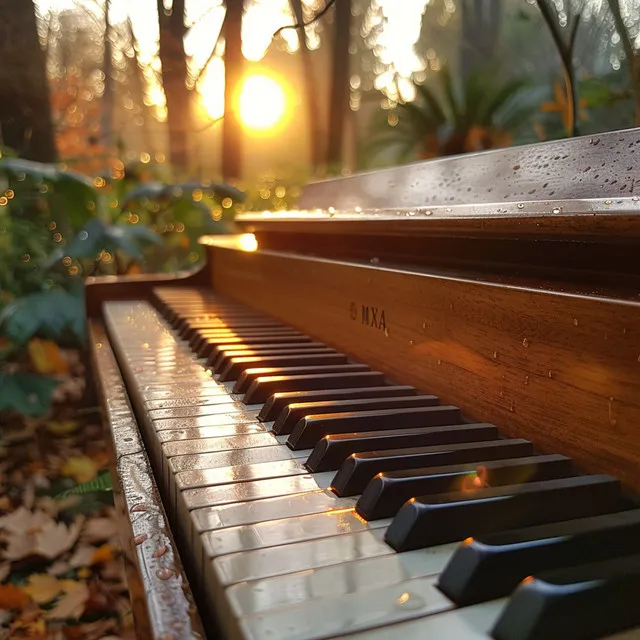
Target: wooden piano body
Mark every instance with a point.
(506, 283)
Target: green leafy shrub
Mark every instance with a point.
(58, 226)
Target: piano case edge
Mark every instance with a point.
(161, 599)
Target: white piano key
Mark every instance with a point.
(229, 475)
(286, 531)
(238, 460)
(217, 444)
(299, 556)
(194, 412)
(256, 490)
(257, 596)
(328, 617)
(196, 433)
(289, 506)
(219, 420)
(469, 623)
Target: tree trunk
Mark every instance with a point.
(25, 111)
(174, 81)
(311, 91)
(339, 93)
(106, 117)
(480, 30)
(233, 74)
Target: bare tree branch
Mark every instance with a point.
(302, 25)
(212, 55)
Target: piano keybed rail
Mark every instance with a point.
(340, 438)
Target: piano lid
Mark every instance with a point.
(599, 166)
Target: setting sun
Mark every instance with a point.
(262, 102)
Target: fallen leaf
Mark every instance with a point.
(103, 554)
(99, 529)
(71, 605)
(80, 468)
(42, 588)
(59, 568)
(46, 357)
(55, 539)
(12, 597)
(50, 540)
(30, 625)
(82, 556)
(22, 521)
(63, 428)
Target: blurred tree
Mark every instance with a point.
(25, 117)
(233, 73)
(340, 74)
(632, 53)
(481, 21)
(107, 69)
(174, 80)
(310, 89)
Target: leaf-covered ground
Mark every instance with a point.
(61, 575)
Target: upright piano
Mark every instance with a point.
(409, 410)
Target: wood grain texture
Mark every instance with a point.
(162, 604)
(560, 369)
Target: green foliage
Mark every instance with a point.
(66, 189)
(454, 117)
(99, 484)
(176, 192)
(55, 315)
(26, 393)
(59, 226)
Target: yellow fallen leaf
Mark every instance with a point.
(80, 468)
(30, 625)
(72, 604)
(42, 588)
(12, 597)
(63, 428)
(103, 554)
(46, 357)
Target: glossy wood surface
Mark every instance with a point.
(558, 368)
(135, 287)
(161, 600)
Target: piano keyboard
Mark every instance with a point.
(312, 498)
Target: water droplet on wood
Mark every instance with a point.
(164, 574)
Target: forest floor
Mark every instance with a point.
(61, 574)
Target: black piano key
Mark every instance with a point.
(430, 520)
(248, 376)
(311, 429)
(581, 603)
(330, 452)
(236, 365)
(200, 341)
(295, 412)
(220, 360)
(263, 388)
(357, 470)
(491, 566)
(387, 492)
(279, 401)
(211, 348)
(192, 329)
